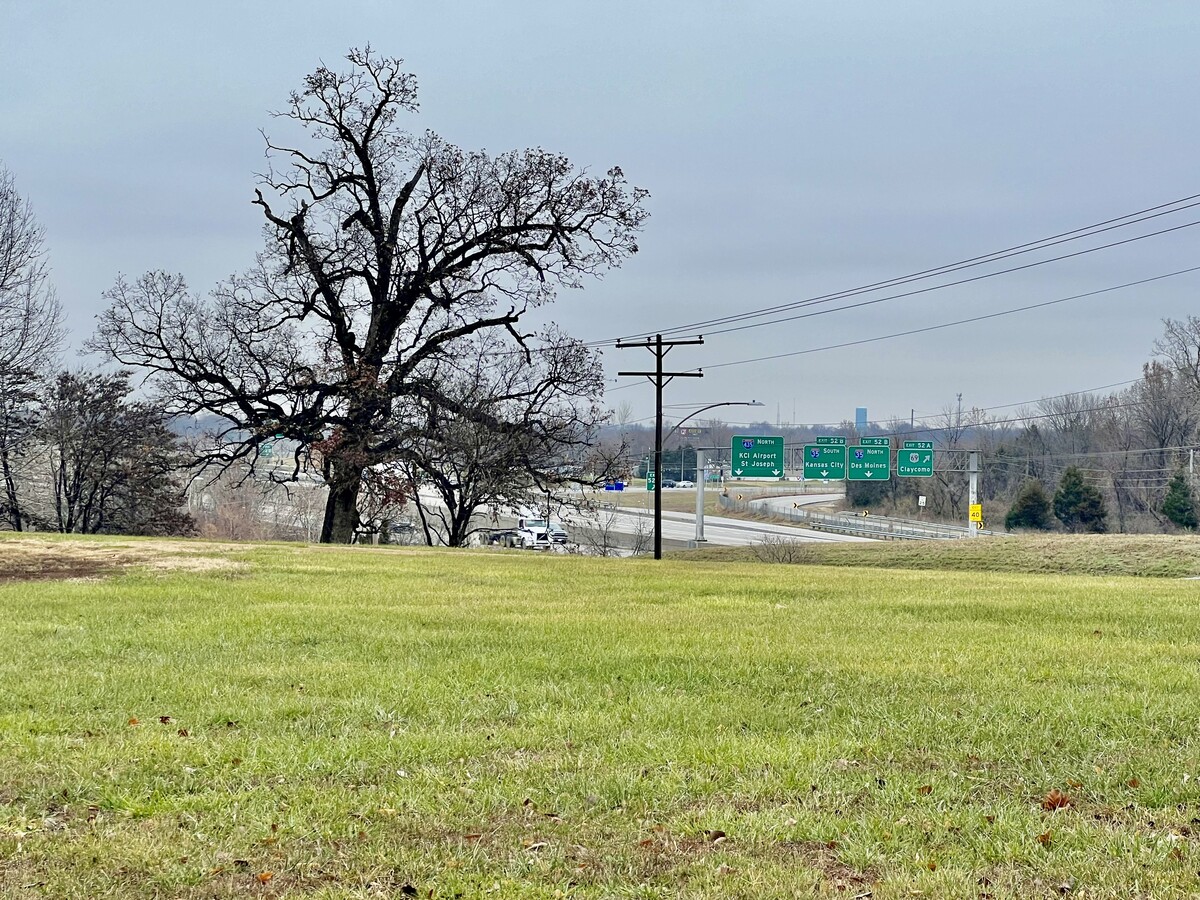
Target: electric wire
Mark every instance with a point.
(1179, 205)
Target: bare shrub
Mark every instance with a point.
(775, 548)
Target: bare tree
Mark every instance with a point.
(30, 337)
(605, 530)
(1180, 347)
(114, 464)
(948, 488)
(385, 251)
(516, 429)
(1164, 408)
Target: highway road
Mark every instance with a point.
(787, 504)
(718, 530)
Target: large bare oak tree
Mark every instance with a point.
(385, 251)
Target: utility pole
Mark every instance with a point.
(660, 379)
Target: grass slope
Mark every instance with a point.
(355, 723)
(1117, 554)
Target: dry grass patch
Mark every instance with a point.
(29, 558)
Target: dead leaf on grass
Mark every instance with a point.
(165, 720)
(1044, 838)
(264, 877)
(1056, 799)
(715, 835)
(133, 721)
(925, 789)
(1134, 783)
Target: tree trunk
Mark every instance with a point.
(460, 523)
(13, 502)
(341, 509)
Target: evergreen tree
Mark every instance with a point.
(1031, 508)
(1079, 505)
(866, 494)
(1179, 505)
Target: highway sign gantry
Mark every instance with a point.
(868, 463)
(826, 462)
(757, 456)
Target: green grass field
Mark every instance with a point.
(198, 721)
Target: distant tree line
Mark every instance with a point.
(77, 453)
(1121, 461)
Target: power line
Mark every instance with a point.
(924, 416)
(1133, 218)
(912, 331)
(938, 287)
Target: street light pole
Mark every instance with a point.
(700, 465)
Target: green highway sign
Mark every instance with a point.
(825, 462)
(266, 449)
(838, 441)
(868, 463)
(918, 445)
(756, 456)
(875, 442)
(914, 462)
(650, 478)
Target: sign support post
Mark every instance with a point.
(973, 491)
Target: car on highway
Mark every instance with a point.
(685, 484)
(669, 483)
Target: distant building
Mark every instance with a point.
(860, 419)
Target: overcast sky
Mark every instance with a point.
(791, 149)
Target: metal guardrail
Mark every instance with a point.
(878, 527)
